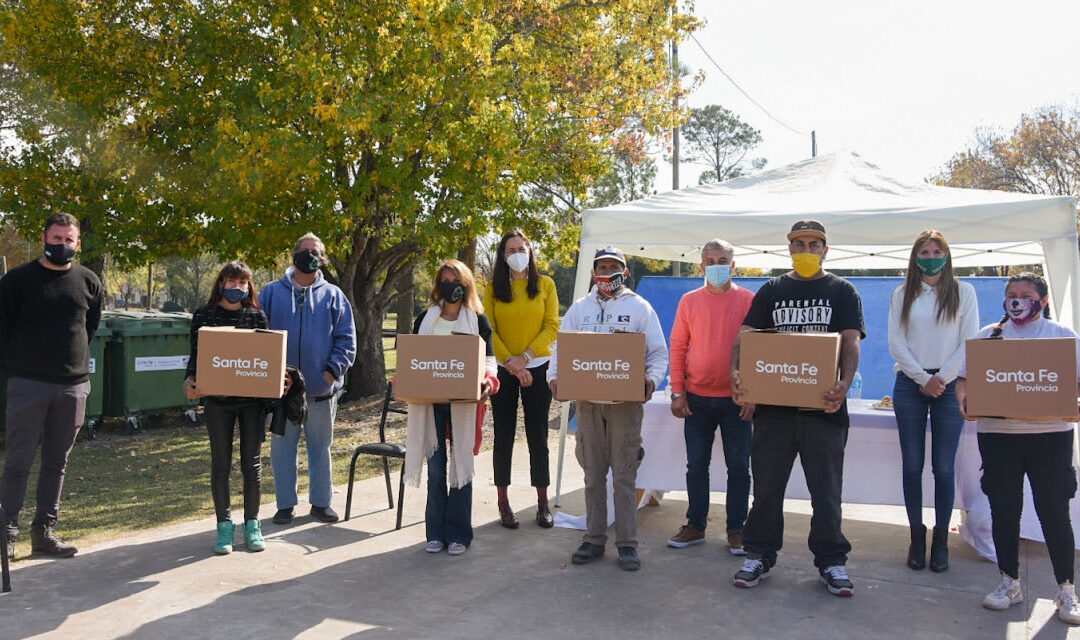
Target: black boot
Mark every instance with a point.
(916, 554)
(939, 550)
(45, 541)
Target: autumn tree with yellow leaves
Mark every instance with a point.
(394, 129)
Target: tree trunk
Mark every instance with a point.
(94, 257)
(405, 303)
(371, 278)
(467, 254)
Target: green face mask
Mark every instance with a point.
(931, 266)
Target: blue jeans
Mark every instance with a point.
(448, 516)
(699, 429)
(946, 423)
(319, 431)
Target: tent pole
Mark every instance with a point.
(563, 419)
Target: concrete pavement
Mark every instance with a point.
(363, 579)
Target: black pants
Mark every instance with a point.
(221, 415)
(779, 434)
(1047, 459)
(46, 415)
(535, 402)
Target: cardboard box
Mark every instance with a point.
(439, 369)
(788, 369)
(601, 366)
(248, 363)
(1033, 378)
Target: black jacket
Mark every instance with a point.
(291, 407)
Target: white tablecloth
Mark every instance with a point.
(871, 469)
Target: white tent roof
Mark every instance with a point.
(871, 219)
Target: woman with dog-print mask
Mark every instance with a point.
(1041, 449)
(930, 316)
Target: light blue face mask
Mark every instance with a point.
(718, 274)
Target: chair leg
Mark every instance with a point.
(5, 571)
(389, 490)
(352, 476)
(401, 496)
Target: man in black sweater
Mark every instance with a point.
(49, 311)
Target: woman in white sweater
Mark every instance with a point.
(930, 317)
(1040, 449)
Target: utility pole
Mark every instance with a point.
(676, 266)
(813, 144)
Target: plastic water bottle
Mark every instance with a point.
(855, 391)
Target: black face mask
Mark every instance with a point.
(59, 254)
(451, 291)
(307, 261)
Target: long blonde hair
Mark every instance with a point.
(465, 277)
(947, 289)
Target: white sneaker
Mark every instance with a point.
(1006, 595)
(1067, 605)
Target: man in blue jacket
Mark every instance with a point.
(322, 344)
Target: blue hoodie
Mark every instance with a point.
(319, 320)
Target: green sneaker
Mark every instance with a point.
(253, 536)
(223, 545)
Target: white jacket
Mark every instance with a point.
(625, 311)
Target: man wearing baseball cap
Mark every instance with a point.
(609, 433)
(806, 299)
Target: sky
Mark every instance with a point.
(905, 84)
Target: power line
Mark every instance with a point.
(736, 85)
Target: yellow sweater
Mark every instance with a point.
(523, 322)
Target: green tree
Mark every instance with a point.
(718, 138)
(632, 175)
(188, 280)
(395, 129)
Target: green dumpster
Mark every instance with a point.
(95, 402)
(146, 359)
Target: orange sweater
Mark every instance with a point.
(705, 328)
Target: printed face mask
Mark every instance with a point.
(1022, 310)
(931, 266)
(234, 294)
(59, 254)
(307, 261)
(806, 264)
(718, 274)
(518, 261)
(609, 285)
(451, 291)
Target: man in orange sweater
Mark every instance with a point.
(706, 324)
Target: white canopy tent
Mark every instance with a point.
(871, 219)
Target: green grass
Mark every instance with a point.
(119, 483)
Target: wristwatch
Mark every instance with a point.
(676, 396)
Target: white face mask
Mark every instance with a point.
(518, 261)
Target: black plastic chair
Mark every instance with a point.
(5, 572)
(384, 450)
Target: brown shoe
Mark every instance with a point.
(508, 519)
(544, 517)
(686, 536)
(734, 543)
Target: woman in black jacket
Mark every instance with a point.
(232, 303)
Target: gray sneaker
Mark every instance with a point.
(753, 571)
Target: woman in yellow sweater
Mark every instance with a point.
(524, 311)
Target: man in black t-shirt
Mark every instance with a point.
(805, 300)
(49, 312)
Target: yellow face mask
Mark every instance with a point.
(806, 264)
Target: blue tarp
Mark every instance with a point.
(875, 365)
